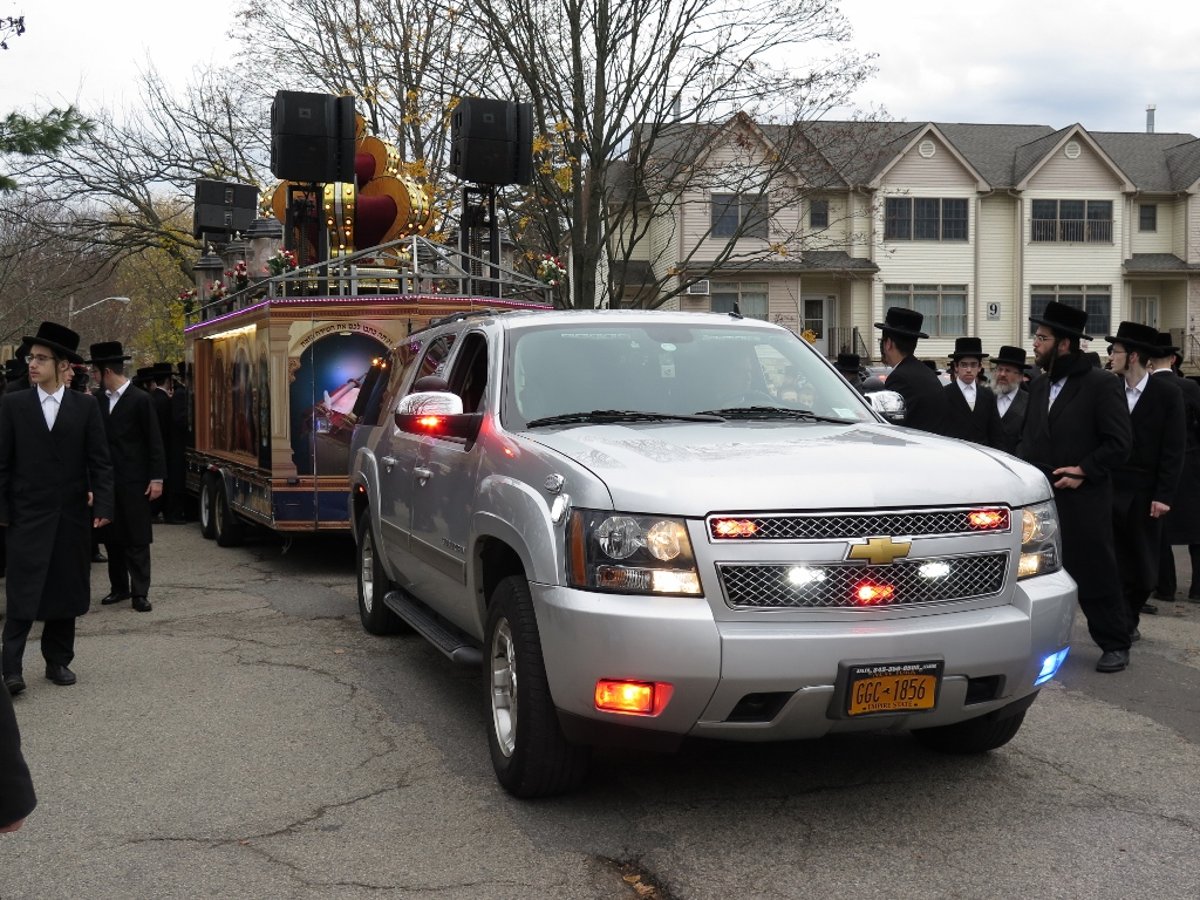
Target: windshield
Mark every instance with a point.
(673, 369)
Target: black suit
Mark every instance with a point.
(1150, 474)
(45, 478)
(1088, 426)
(16, 787)
(137, 454)
(160, 401)
(980, 425)
(1183, 522)
(924, 399)
(1012, 421)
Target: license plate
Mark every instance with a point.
(892, 687)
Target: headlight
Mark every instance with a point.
(631, 554)
(1041, 550)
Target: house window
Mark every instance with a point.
(818, 214)
(750, 297)
(925, 219)
(1148, 217)
(944, 306)
(741, 215)
(1077, 221)
(1095, 298)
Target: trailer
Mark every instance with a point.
(280, 372)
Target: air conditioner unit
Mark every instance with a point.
(699, 287)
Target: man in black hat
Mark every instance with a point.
(1008, 372)
(1144, 487)
(1077, 431)
(924, 399)
(970, 407)
(55, 487)
(1182, 525)
(16, 371)
(850, 365)
(139, 468)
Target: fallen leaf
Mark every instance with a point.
(633, 879)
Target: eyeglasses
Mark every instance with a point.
(1113, 351)
(1042, 338)
(38, 357)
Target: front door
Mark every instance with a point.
(1145, 311)
(818, 314)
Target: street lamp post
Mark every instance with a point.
(72, 312)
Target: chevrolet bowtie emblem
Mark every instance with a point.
(879, 551)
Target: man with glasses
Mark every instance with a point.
(55, 487)
(1077, 430)
(970, 407)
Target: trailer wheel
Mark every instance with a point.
(206, 506)
(373, 583)
(227, 529)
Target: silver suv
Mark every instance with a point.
(647, 525)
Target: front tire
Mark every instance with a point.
(531, 756)
(206, 507)
(970, 737)
(373, 583)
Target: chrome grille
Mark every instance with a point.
(836, 585)
(832, 526)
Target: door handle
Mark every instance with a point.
(389, 462)
(423, 474)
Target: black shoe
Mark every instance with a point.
(1148, 609)
(1135, 635)
(1113, 661)
(115, 597)
(60, 674)
(99, 557)
(141, 604)
(14, 683)
(1165, 596)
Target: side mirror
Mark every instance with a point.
(889, 404)
(437, 413)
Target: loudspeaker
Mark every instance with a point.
(223, 207)
(312, 137)
(492, 141)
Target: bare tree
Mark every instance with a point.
(611, 80)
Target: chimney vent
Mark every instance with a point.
(1150, 118)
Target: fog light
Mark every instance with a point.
(803, 575)
(637, 698)
(934, 570)
(1050, 666)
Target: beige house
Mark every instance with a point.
(973, 225)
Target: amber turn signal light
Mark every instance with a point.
(638, 698)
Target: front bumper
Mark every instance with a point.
(713, 665)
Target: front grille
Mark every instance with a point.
(832, 526)
(854, 586)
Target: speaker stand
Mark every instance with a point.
(476, 216)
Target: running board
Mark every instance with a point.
(454, 643)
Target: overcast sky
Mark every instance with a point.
(1050, 62)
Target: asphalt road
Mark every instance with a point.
(248, 739)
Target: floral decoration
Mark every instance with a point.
(551, 270)
(282, 260)
(240, 274)
(217, 290)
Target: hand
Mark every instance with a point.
(14, 826)
(154, 491)
(1158, 509)
(1071, 477)
(90, 498)
(100, 523)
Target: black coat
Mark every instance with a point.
(1013, 421)
(924, 399)
(980, 425)
(45, 477)
(16, 787)
(136, 449)
(1183, 522)
(1088, 426)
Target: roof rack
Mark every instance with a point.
(464, 314)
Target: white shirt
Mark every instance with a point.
(1003, 402)
(1055, 387)
(968, 391)
(51, 403)
(114, 396)
(1133, 394)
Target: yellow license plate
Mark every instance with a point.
(892, 687)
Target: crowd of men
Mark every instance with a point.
(1119, 444)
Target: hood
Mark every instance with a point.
(695, 469)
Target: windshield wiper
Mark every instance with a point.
(773, 412)
(620, 415)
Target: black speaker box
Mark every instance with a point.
(312, 137)
(223, 207)
(491, 141)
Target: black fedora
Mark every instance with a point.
(58, 338)
(1063, 319)
(848, 362)
(965, 347)
(1136, 336)
(107, 351)
(1164, 347)
(142, 375)
(899, 320)
(1011, 356)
